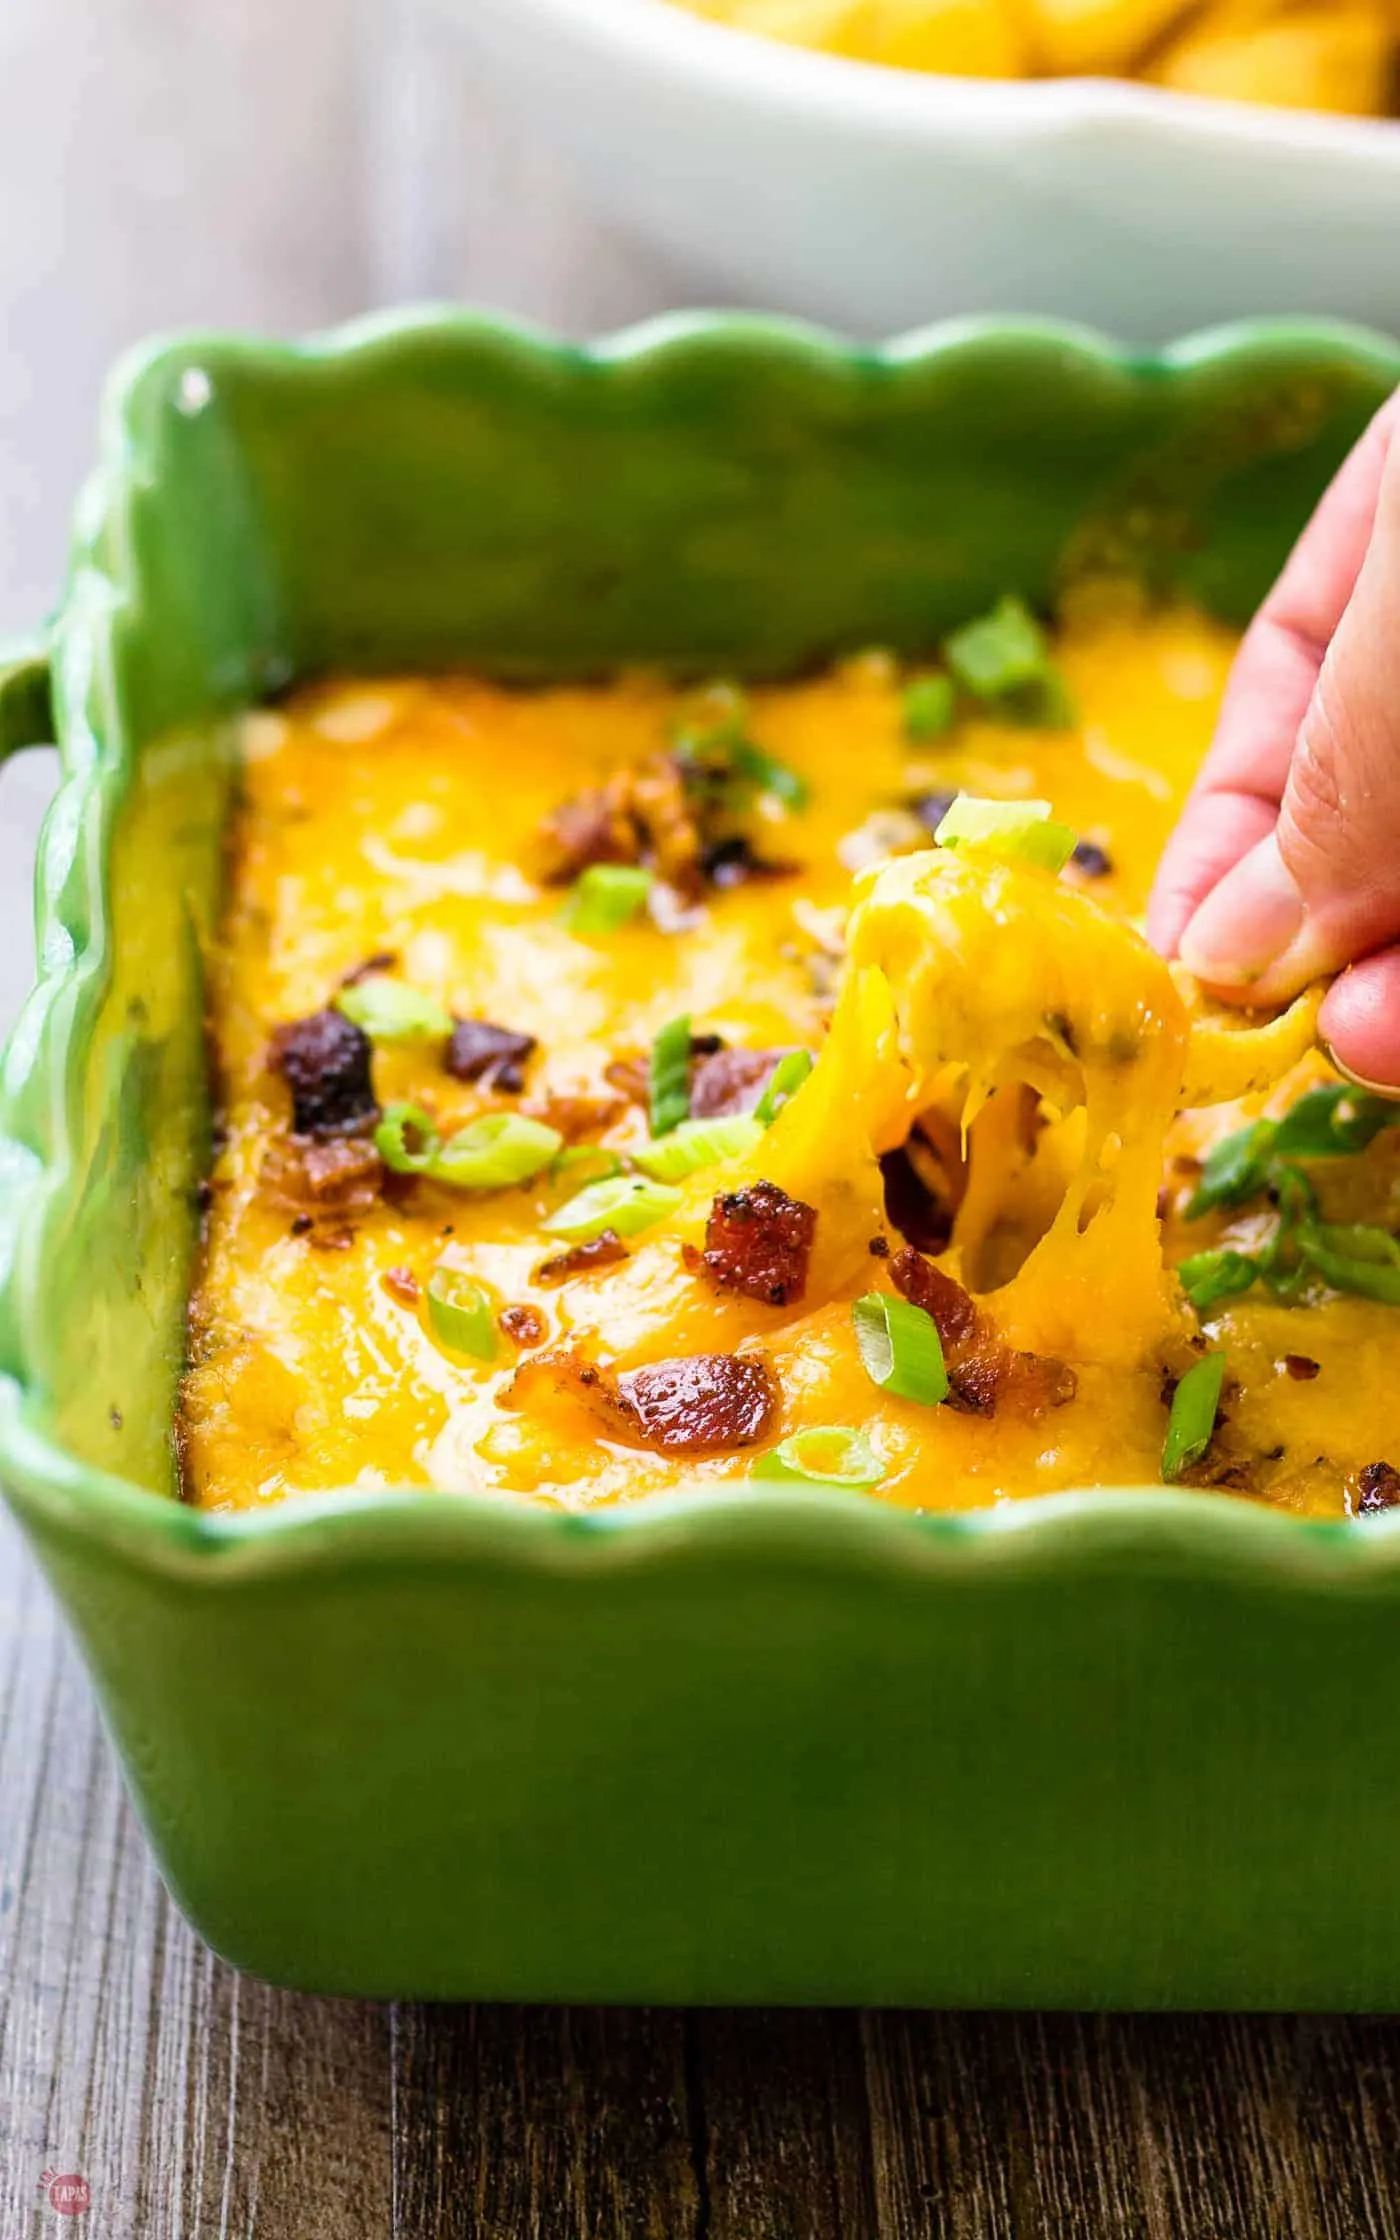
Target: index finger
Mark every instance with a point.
(1235, 800)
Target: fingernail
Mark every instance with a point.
(1248, 924)
(1390, 1089)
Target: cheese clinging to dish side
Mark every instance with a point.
(526, 1183)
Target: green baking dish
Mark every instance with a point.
(1098, 1750)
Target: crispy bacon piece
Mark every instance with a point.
(704, 1403)
(401, 1284)
(1377, 1488)
(730, 1082)
(630, 1074)
(525, 1324)
(581, 1259)
(734, 862)
(578, 1118)
(1301, 1367)
(322, 1180)
(325, 1062)
(495, 1056)
(983, 1371)
(641, 814)
(758, 1242)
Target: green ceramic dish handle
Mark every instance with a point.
(26, 703)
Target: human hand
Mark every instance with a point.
(1286, 861)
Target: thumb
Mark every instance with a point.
(1323, 888)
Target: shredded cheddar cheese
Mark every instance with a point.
(994, 1045)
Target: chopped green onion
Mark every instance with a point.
(1352, 1256)
(627, 1203)
(784, 1082)
(696, 1144)
(670, 1075)
(900, 1348)
(1208, 1277)
(1236, 1168)
(605, 896)
(1003, 658)
(459, 1313)
(1019, 831)
(826, 1455)
(488, 1154)
(765, 774)
(495, 1151)
(1191, 1425)
(719, 759)
(927, 707)
(388, 1011)
(406, 1139)
(1329, 1122)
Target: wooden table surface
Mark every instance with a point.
(198, 2103)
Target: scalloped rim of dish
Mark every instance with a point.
(739, 63)
(1049, 1532)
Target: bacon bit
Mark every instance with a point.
(336, 1178)
(758, 1242)
(1095, 862)
(879, 1248)
(338, 1239)
(525, 1324)
(401, 1284)
(730, 1082)
(707, 1403)
(732, 862)
(325, 1062)
(1377, 1488)
(383, 960)
(640, 814)
(578, 1118)
(495, 1056)
(581, 1259)
(631, 1077)
(1301, 1367)
(631, 1073)
(300, 1226)
(983, 1370)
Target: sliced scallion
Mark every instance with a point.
(670, 1076)
(696, 1144)
(459, 1313)
(927, 707)
(900, 1348)
(1236, 1169)
(390, 1011)
(1003, 658)
(784, 1082)
(1329, 1122)
(1209, 1277)
(488, 1154)
(1353, 1256)
(1191, 1423)
(605, 896)
(626, 1203)
(406, 1139)
(765, 774)
(1017, 831)
(495, 1151)
(825, 1455)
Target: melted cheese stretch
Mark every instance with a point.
(375, 820)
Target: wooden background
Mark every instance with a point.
(197, 2103)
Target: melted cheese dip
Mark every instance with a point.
(400, 820)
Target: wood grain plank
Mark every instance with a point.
(780, 2102)
(543, 2123)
